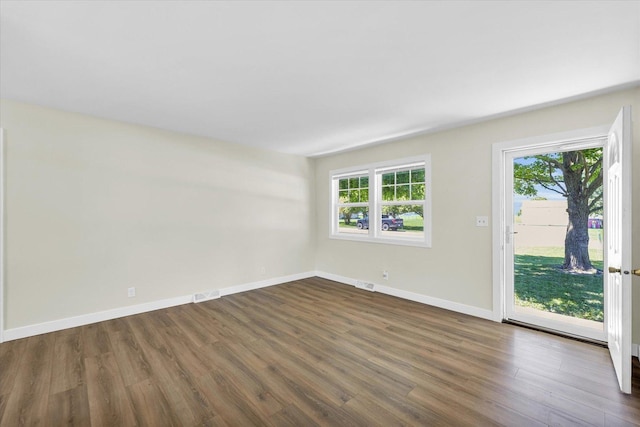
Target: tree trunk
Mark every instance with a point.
(347, 216)
(576, 243)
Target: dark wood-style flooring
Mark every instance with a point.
(306, 353)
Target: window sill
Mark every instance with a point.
(384, 240)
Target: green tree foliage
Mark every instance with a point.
(577, 176)
(402, 186)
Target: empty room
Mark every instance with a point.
(319, 213)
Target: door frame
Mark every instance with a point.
(500, 151)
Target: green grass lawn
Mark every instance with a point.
(352, 224)
(540, 284)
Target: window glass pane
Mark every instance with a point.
(354, 196)
(388, 193)
(353, 182)
(417, 175)
(402, 192)
(389, 178)
(391, 211)
(417, 191)
(364, 182)
(402, 177)
(403, 221)
(343, 184)
(364, 195)
(343, 196)
(353, 220)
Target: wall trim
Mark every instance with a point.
(635, 350)
(412, 296)
(501, 211)
(101, 316)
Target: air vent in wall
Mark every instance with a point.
(206, 296)
(366, 286)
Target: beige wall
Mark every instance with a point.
(95, 206)
(458, 266)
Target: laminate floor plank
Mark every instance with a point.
(3, 404)
(131, 360)
(67, 369)
(27, 403)
(109, 402)
(318, 404)
(195, 325)
(365, 408)
(310, 352)
(170, 374)
(590, 398)
(150, 405)
(11, 354)
(228, 402)
(292, 416)
(247, 381)
(69, 408)
(309, 377)
(520, 396)
(95, 339)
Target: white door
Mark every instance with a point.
(618, 246)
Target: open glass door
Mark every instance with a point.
(618, 246)
(614, 264)
(554, 245)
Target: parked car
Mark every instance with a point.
(595, 223)
(388, 223)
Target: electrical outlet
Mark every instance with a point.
(131, 292)
(482, 221)
(385, 275)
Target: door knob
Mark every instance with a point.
(636, 272)
(614, 270)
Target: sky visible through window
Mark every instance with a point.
(543, 193)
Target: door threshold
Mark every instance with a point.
(556, 332)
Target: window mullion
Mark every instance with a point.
(374, 210)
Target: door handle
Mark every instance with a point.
(617, 270)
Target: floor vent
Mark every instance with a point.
(366, 286)
(206, 296)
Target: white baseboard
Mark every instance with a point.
(412, 296)
(86, 319)
(265, 283)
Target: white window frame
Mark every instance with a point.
(375, 203)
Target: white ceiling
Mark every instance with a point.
(312, 77)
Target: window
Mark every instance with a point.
(397, 192)
(353, 202)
